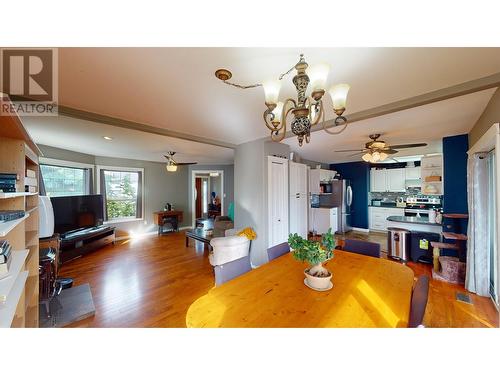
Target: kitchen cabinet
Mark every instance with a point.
(383, 180)
(378, 180)
(378, 217)
(413, 173)
(317, 176)
(298, 199)
(322, 219)
(396, 179)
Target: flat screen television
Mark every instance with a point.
(77, 212)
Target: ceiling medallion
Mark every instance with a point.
(307, 111)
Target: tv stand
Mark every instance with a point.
(74, 244)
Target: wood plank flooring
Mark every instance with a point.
(152, 281)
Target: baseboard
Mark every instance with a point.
(364, 230)
(187, 227)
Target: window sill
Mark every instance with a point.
(125, 220)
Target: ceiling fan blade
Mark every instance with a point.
(358, 150)
(389, 151)
(186, 163)
(410, 145)
(356, 154)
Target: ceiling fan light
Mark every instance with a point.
(375, 156)
(277, 113)
(272, 91)
(171, 168)
(367, 157)
(318, 75)
(383, 156)
(339, 95)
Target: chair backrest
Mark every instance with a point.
(371, 249)
(278, 250)
(228, 271)
(419, 299)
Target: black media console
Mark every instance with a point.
(77, 243)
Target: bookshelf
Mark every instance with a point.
(19, 290)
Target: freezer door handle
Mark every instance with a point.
(349, 195)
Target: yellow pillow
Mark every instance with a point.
(249, 233)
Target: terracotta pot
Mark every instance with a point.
(318, 282)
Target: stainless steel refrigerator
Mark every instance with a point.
(340, 197)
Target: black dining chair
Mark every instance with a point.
(278, 250)
(371, 249)
(419, 299)
(230, 270)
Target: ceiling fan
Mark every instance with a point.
(172, 164)
(377, 150)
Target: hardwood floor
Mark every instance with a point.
(152, 281)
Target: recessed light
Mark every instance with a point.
(107, 138)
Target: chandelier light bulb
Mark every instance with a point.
(277, 113)
(318, 75)
(171, 168)
(272, 91)
(367, 157)
(339, 95)
(375, 156)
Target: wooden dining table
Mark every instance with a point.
(367, 292)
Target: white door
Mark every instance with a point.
(302, 178)
(277, 200)
(293, 177)
(378, 180)
(396, 179)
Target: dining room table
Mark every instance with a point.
(367, 292)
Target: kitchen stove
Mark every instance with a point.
(420, 206)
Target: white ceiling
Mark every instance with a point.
(424, 124)
(175, 88)
(87, 137)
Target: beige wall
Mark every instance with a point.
(490, 116)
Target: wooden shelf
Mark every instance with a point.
(16, 265)
(31, 285)
(455, 236)
(15, 195)
(456, 216)
(31, 209)
(8, 309)
(7, 226)
(444, 245)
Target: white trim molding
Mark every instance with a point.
(364, 230)
(192, 196)
(64, 163)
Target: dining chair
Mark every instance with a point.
(371, 249)
(228, 271)
(278, 250)
(419, 299)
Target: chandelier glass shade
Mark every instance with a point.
(171, 168)
(307, 109)
(374, 156)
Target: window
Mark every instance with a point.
(66, 180)
(122, 190)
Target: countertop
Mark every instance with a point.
(386, 205)
(411, 220)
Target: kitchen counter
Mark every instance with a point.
(415, 224)
(411, 220)
(387, 205)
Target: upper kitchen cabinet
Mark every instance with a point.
(298, 178)
(383, 180)
(317, 176)
(413, 173)
(378, 180)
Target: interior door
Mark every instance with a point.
(198, 197)
(277, 200)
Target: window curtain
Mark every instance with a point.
(102, 182)
(478, 257)
(138, 212)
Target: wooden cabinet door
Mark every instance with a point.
(396, 179)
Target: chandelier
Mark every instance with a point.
(307, 111)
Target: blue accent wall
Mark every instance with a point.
(359, 174)
(455, 179)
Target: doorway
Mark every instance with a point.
(207, 194)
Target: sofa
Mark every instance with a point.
(228, 248)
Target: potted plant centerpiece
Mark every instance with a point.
(315, 253)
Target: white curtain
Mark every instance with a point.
(478, 258)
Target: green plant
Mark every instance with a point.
(313, 252)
